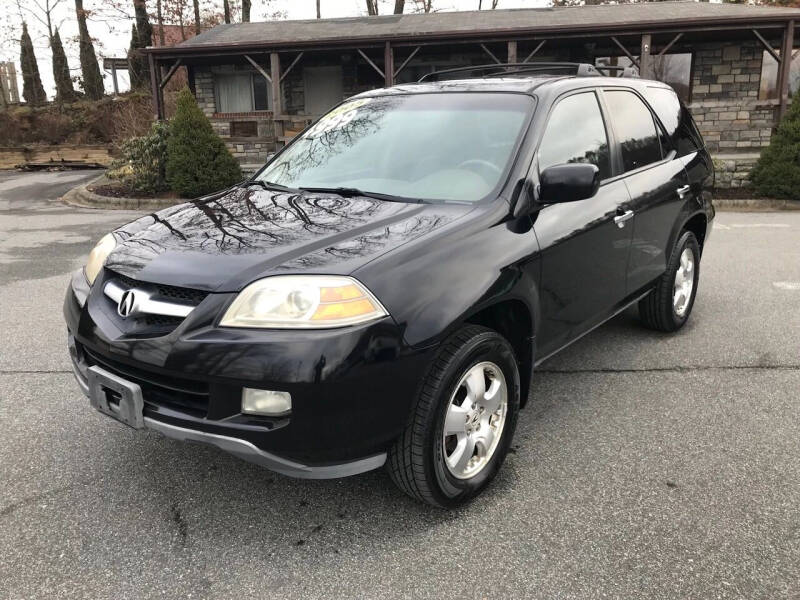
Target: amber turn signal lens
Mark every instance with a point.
(344, 310)
(338, 294)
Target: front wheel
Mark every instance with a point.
(462, 421)
(668, 306)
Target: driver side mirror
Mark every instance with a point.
(568, 183)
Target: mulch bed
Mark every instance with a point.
(115, 190)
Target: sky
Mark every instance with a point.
(111, 20)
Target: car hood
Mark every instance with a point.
(224, 242)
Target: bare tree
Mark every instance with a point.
(175, 12)
(226, 10)
(160, 21)
(372, 7)
(319, 12)
(196, 5)
(399, 5)
(424, 6)
(246, 10)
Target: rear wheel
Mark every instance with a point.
(668, 306)
(462, 421)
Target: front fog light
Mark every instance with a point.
(266, 402)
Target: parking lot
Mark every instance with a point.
(645, 466)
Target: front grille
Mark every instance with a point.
(184, 395)
(161, 321)
(149, 325)
(165, 292)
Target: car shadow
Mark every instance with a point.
(198, 490)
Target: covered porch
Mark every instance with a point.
(262, 83)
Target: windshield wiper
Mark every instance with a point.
(269, 185)
(349, 192)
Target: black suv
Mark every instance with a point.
(382, 289)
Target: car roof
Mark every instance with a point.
(527, 84)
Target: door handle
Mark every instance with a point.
(682, 191)
(621, 218)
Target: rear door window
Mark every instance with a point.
(675, 117)
(634, 128)
(576, 133)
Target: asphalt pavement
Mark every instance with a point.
(645, 466)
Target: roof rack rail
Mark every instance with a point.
(626, 71)
(499, 69)
(503, 69)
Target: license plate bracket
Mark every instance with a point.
(116, 397)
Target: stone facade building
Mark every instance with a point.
(261, 83)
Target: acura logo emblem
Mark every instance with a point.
(127, 304)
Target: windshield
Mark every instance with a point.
(450, 146)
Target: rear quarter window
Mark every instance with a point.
(681, 129)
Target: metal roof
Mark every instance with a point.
(525, 21)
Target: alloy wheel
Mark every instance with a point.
(475, 419)
(684, 282)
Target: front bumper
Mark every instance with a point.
(351, 388)
(246, 450)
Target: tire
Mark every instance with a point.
(662, 309)
(418, 461)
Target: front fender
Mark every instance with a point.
(432, 287)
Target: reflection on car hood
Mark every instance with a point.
(223, 243)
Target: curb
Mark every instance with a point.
(81, 197)
(754, 205)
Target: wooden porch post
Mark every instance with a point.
(114, 78)
(388, 65)
(784, 68)
(512, 51)
(155, 88)
(645, 60)
(277, 96)
(190, 78)
(275, 68)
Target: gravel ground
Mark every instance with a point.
(646, 466)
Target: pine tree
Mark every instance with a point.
(144, 39)
(32, 89)
(135, 61)
(777, 172)
(198, 162)
(90, 70)
(64, 90)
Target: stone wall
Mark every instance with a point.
(732, 170)
(734, 122)
(730, 125)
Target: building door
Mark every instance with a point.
(323, 88)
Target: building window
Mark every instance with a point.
(242, 92)
(768, 87)
(672, 69)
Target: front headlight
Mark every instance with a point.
(303, 301)
(98, 256)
